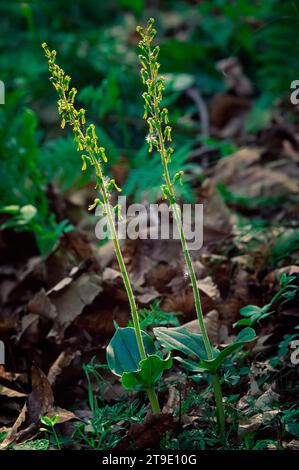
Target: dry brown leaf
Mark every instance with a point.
(9, 392)
(242, 174)
(29, 328)
(290, 151)
(262, 343)
(255, 390)
(63, 415)
(264, 182)
(173, 401)
(183, 302)
(228, 169)
(148, 296)
(66, 281)
(208, 287)
(148, 435)
(251, 424)
(111, 275)
(234, 76)
(293, 445)
(106, 254)
(212, 324)
(13, 432)
(266, 400)
(41, 400)
(71, 300)
(41, 305)
(239, 296)
(11, 376)
(217, 224)
(227, 114)
(63, 360)
(274, 276)
(77, 243)
(162, 276)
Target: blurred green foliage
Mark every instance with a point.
(97, 45)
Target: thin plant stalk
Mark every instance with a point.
(87, 141)
(159, 135)
(56, 437)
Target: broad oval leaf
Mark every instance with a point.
(180, 339)
(150, 371)
(243, 322)
(122, 352)
(250, 310)
(244, 336)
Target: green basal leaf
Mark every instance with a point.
(245, 336)
(123, 359)
(122, 352)
(150, 371)
(180, 339)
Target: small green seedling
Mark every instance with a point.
(254, 314)
(154, 316)
(50, 429)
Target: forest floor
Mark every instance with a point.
(58, 311)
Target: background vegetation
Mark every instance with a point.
(97, 42)
(228, 66)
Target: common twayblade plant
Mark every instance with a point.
(131, 353)
(159, 139)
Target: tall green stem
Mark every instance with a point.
(219, 406)
(186, 253)
(87, 141)
(126, 280)
(198, 307)
(112, 229)
(152, 396)
(159, 133)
